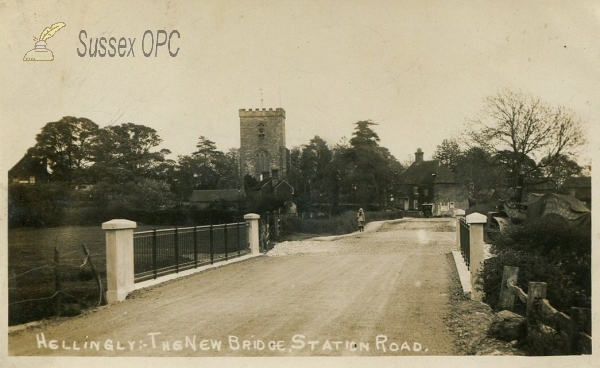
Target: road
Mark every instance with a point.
(381, 292)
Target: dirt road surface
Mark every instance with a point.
(382, 292)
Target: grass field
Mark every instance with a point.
(31, 270)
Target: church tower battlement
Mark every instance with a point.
(262, 143)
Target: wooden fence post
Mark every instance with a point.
(102, 298)
(536, 290)
(507, 296)
(57, 282)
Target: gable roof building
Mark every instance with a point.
(29, 170)
(580, 188)
(431, 182)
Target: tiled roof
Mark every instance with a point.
(423, 173)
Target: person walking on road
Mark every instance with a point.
(361, 220)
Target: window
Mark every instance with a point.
(416, 204)
(32, 180)
(425, 191)
(261, 130)
(416, 190)
(262, 162)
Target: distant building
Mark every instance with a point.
(431, 182)
(272, 187)
(204, 198)
(262, 143)
(29, 170)
(265, 159)
(580, 188)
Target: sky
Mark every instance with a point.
(418, 69)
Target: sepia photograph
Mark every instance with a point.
(325, 183)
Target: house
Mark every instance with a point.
(580, 188)
(272, 187)
(431, 182)
(204, 198)
(29, 170)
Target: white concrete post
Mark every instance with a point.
(476, 222)
(253, 238)
(119, 258)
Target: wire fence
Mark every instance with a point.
(51, 274)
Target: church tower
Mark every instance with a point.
(262, 143)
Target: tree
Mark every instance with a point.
(561, 169)
(528, 129)
(481, 173)
(125, 153)
(228, 168)
(373, 171)
(206, 168)
(449, 153)
(67, 144)
(314, 162)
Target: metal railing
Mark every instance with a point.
(162, 252)
(465, 241)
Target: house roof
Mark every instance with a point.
(262, 183)
(423, 173)
(29, 165)
(283, 183)
(216, 195)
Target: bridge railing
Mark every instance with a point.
(469, 235)
(135, 257)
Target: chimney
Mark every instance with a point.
(275, 175)
(418, 156)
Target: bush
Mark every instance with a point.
(545, 250)
(343, 224)
(481, 208)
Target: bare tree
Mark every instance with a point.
(528, 129)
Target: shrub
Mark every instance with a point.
(337, 225)
(481, 208)
(545, 250)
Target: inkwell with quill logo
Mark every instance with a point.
(40, 52)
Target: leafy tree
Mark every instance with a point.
(341, 172)
(449, 153)
(67, 144)
(143, 194)
(561, 169)
(314, 164)
(528, 129)
(125, 153)
(228, 167)
(374, 168)
(207, 168)
(481, 173)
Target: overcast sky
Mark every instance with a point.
(419, 69)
